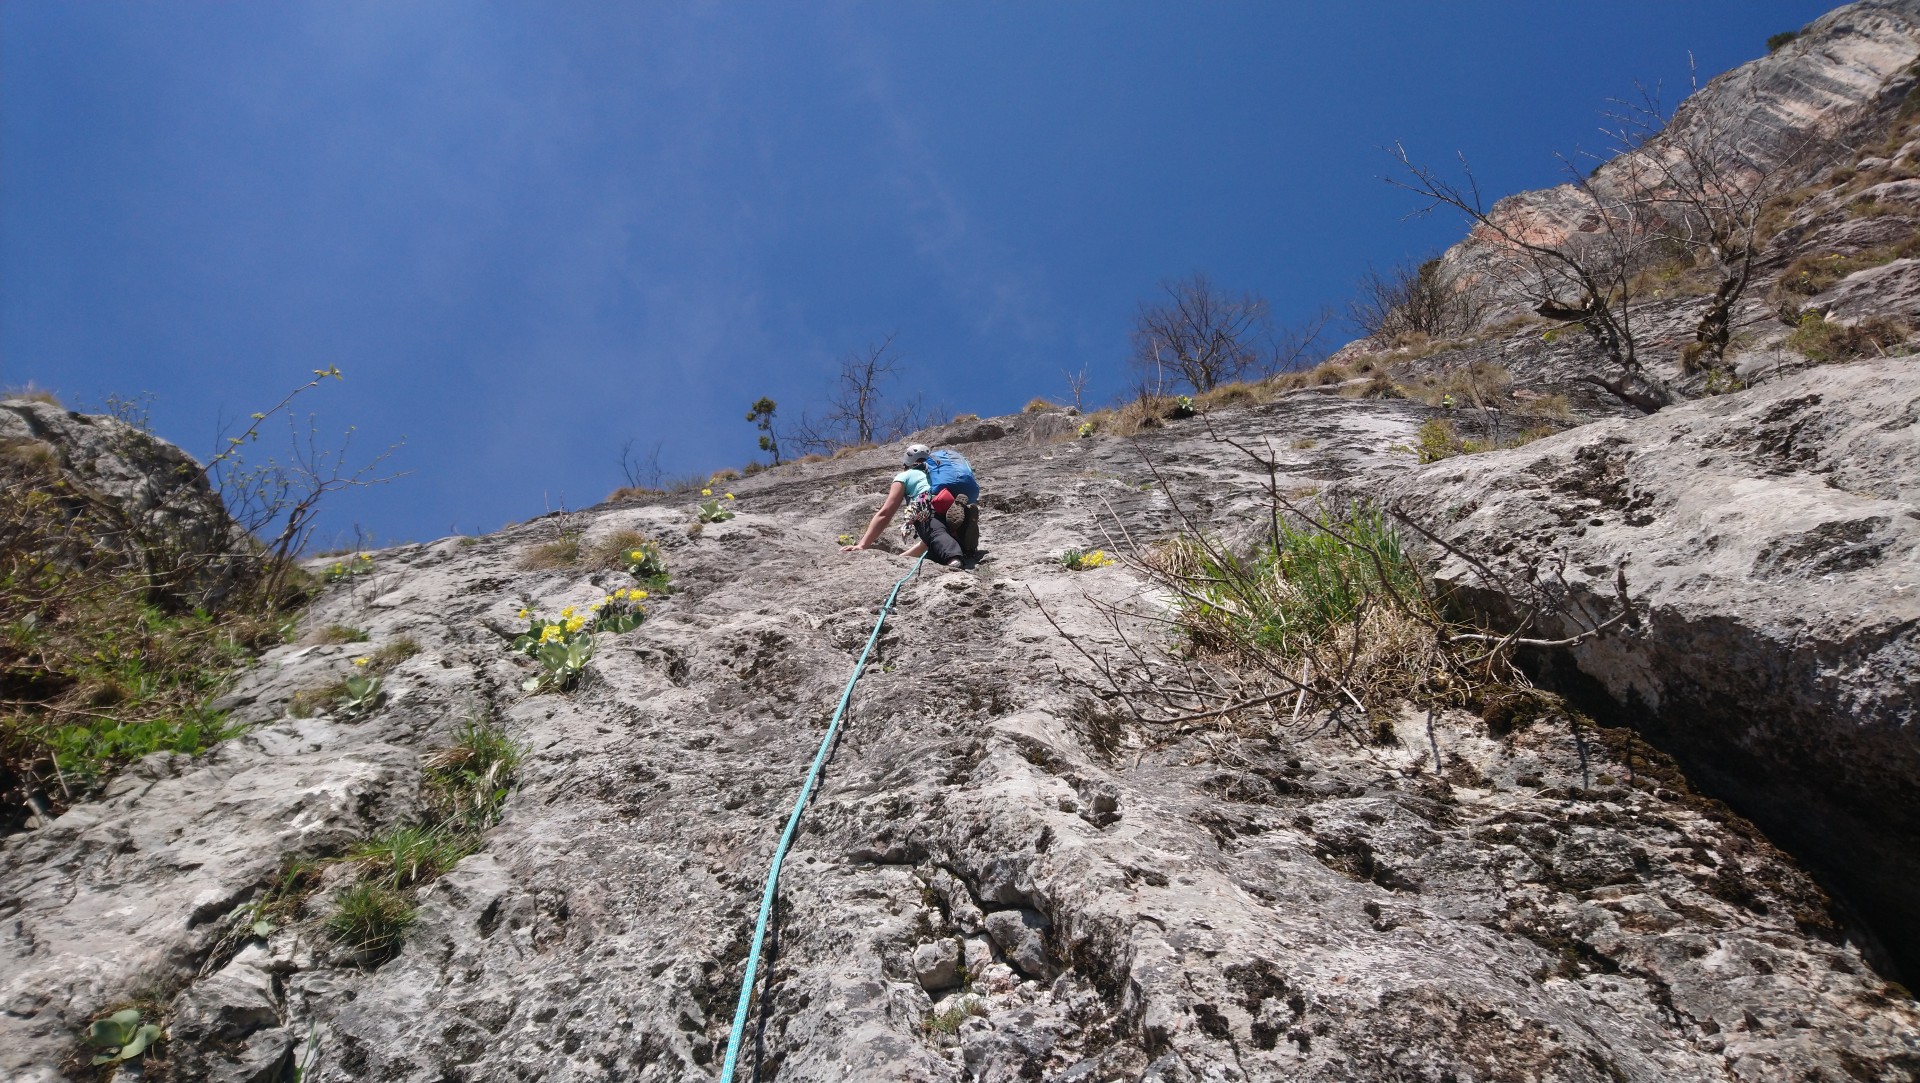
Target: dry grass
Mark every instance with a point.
(611, 551)
(562, 552)
(341, 633)
(391, 655)
(31, 392)
(633, 492)
(308, 702)
(1674, 278)
(958, 418)
(1479, 384)
(1869, 207)
(1827, 341)
(1038, 406)
(852, 449)
(1817, 271)
(1543, 406)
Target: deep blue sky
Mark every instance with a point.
(529, 232)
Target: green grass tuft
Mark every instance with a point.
(371, 919)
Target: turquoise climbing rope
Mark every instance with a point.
(793, 821)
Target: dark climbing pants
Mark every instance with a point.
(946, 545)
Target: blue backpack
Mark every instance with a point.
(951, 470)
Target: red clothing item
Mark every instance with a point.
(941, 502)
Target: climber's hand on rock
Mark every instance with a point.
(851, 548)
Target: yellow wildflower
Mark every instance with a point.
(550, 633)
(636, 555)
(525, 613)
(362, 660)
(706, 492)
(729, 496)
(567, 612)
(637, 595)
(576, 624)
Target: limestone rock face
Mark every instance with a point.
(1433, 901)
(1771, 543)
(143, 493)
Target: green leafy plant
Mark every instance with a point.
(342, 633)
(1311, 579)
(561, 664)
(1437, 439)
(645, 563)
(121, 1036)
(85, 751)
(359, 695)
(620, 611)
(714, 510)
(1182, 407)
(1086, 430)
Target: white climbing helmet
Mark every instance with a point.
(916, 454)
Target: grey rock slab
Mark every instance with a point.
(1328, 912)
(937, 965)
(1892, 289)
(1022, 935)
(1771, 544)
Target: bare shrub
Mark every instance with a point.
(1201, 337)
(1408, 299)
(859, 411)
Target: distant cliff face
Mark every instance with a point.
(1002, 877)
(1842, 80)
(1824, 133)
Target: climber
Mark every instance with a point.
(946, 518)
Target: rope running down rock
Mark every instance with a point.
(793, 823)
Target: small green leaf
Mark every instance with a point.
(142, 1038)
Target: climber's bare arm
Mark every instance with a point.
(896, 496)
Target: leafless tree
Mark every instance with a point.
(1692, 188)
(1408, 298)
(859, 413)
(642, 473)
(1202, 336)
(1586, 277)
(1713, 170)
(1077, 386)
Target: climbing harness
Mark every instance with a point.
(793, 821)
